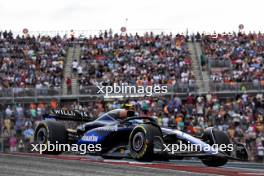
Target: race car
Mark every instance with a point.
(123, 134)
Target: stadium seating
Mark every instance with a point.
(241, 118)
(31, 62)
(235, 60)
(133, 59)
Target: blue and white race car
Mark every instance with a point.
(122, 134)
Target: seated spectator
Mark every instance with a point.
(133, 59)
(240, 117)
(25, 61)
(241, 54)
(28, 135)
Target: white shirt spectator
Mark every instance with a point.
(80, 70)
(75, 64)
(8, 111)
(39, 86)
(245, 97)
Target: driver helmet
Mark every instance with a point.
(123, 114)
(128, 106)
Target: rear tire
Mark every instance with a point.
(214, 161)
(213, 136)
(141, 142)
(52, 132)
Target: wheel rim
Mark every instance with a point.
(42, 136)
(138, 141)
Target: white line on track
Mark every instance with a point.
(126, 161)
(252, 173)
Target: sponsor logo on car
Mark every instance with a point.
(70, 113)
(108, 128)
(91, 138)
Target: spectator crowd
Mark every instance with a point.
(135, 60)
(31, 62)
(242, 118)
(38, 62)
(240, 55)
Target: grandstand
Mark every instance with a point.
(235, 61)
(214, 80)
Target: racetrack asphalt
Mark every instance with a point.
(31, 165)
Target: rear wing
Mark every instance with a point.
(69, 115)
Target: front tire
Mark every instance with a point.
(141, 141)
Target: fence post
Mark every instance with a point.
(13, 94)
(1, 144)
(1, 131)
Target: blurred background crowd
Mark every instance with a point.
(241, 118)
(234, 58)
(230, 59)
(31, 62)
(136, 60)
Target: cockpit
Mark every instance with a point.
(116, 115)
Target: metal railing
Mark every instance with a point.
(236, 87)
(178, 88)
(1, 144)
(30, 92)
(218, 63)
(93, 91)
